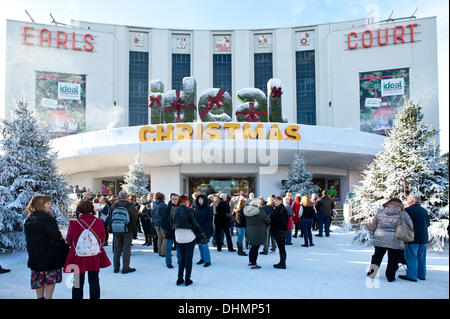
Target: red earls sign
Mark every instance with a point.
(60, 39)
(383, 36)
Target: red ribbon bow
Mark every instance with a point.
(153, 100)
(213, 100)
(178, 106)
(276, 92)
(252, 113)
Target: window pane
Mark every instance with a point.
(181, 67)
(138, 89)
(222, 72)
(306, 87)
(263, 70)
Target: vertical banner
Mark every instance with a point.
(382, 95)
(61, 102)
(222, 43)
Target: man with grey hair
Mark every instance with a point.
(122, 239)
(416, 251)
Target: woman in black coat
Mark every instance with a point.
(47, 250)
(204, 216)
(186, 227)
(279, 228)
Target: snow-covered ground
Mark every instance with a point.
(333, 268)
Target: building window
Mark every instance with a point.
(222, 72)
(263, 70)
(138, 89)
(306, 87)
(181, 67)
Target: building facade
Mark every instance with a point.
(342, 84)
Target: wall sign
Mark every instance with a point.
(381, 36)
(304, 40)
(263, 43)
(181, 43)
(222, 44)
(382, 95)
(57, 39)
(61, 102)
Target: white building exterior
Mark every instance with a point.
(334, 148)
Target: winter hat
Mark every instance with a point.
(394, 202)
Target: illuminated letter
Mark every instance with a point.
(292, 134)
(25, 34)
(184, 132)
(160, 134)
(213, 131)
(275, 133)
(143, 134)
(42, 39)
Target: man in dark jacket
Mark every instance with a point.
(324, 207)
(159, 212)
(416, 251)
(279, 229)
(221, 221)
(122, 241)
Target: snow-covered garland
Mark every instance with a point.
(409, 163)
(215, 104)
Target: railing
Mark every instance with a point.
(338, 216)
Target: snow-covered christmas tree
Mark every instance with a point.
(299, 179)
(27, 168)
(135, 181)
(408, 164)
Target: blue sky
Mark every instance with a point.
(236, 14)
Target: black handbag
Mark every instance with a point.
(201, 238)
(62, 250)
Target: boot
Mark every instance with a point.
(372, 271)
(241, 251)
(149, 240)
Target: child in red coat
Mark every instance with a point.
(92, 264)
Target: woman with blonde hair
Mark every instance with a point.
(241, 223)
(46, 247)
(306, 214)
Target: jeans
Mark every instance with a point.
(394, 257)
(94, 286)
(306, 224)
(416, 255)
(289, 237)
(253, 254)
(231, 225)
(241, 234)
(122, 244)
(169, 244)
(204, 253)
(323, 219)
(185, 262)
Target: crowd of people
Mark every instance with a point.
(180, 223)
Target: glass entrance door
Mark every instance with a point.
(228, 185)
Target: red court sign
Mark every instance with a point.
(383, 35)
(58, 39)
